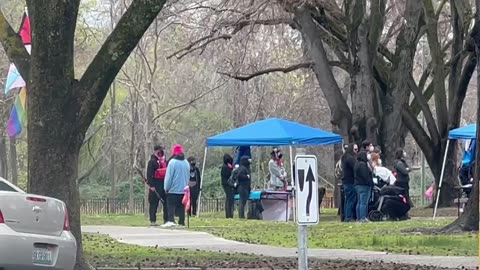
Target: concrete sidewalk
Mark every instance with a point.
(177, 238)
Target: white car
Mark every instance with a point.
(34, 231)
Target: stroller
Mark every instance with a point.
(388, 202)
(391, 205)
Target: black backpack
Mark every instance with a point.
(232, 181)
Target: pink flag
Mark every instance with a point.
(186, 198)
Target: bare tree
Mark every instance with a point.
(61, 107)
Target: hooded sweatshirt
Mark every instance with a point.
(227, 169)
(178, 172)
(363, 175)
(348, 169)
(243, 172)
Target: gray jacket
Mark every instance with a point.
(276, 173)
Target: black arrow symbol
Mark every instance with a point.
(310, 179)
(301, 177)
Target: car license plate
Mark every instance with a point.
(42, 256)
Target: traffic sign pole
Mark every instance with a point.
(302, 247)
(306, 202)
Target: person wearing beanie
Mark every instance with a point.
(176, 179)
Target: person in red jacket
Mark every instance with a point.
(156, 169)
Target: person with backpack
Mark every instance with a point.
(195, 183)
(156, 170)
(176, 179)
(244, 181)
(225, 174)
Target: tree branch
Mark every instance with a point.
(87, 173)
(14, 48)
(247, 77)
(191, 47)
(439, 9)
(267, 71)
(187, 103)
(237, 27)
(423, 103)
(95, 82)
(418, 133)
(461, 90)
(438, 67)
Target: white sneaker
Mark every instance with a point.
(168, 224)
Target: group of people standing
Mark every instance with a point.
(360, 167)
(241, 173)
(167, 181)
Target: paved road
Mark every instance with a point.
(146, 236)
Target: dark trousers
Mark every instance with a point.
(350, 201)
(244, 193)
(154, 201)
(174, 202)
(194, 192)
(229, 200)
(395, 208)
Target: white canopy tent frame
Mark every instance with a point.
(463, 133)
(441, 180)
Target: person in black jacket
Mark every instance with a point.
(244, 182)
(402, 170)
(363, 185)
(156, 183)
(348, 180)
(195, 184)
(225, 173)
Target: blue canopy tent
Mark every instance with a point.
(272, 132)
(464, 133)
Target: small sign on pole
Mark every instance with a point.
(306, 191)
(306, 202)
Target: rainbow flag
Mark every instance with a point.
(14, 80)
(17, 116)
(17, 119)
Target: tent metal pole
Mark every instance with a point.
(441, 180)
(293, 182)
(202, 180)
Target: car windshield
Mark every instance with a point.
(5, 187)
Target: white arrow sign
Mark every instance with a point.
(306, 190)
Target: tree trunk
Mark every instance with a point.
(468, 221)
(13, 160)
(3, 157)
(396, 94)
(54, 137)
(148, 148)
(133, 122)
(364, 109)
(112, 149)
(3, 144)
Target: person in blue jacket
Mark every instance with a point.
(176, 179)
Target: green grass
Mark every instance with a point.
(376, 236)
(101, 250)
